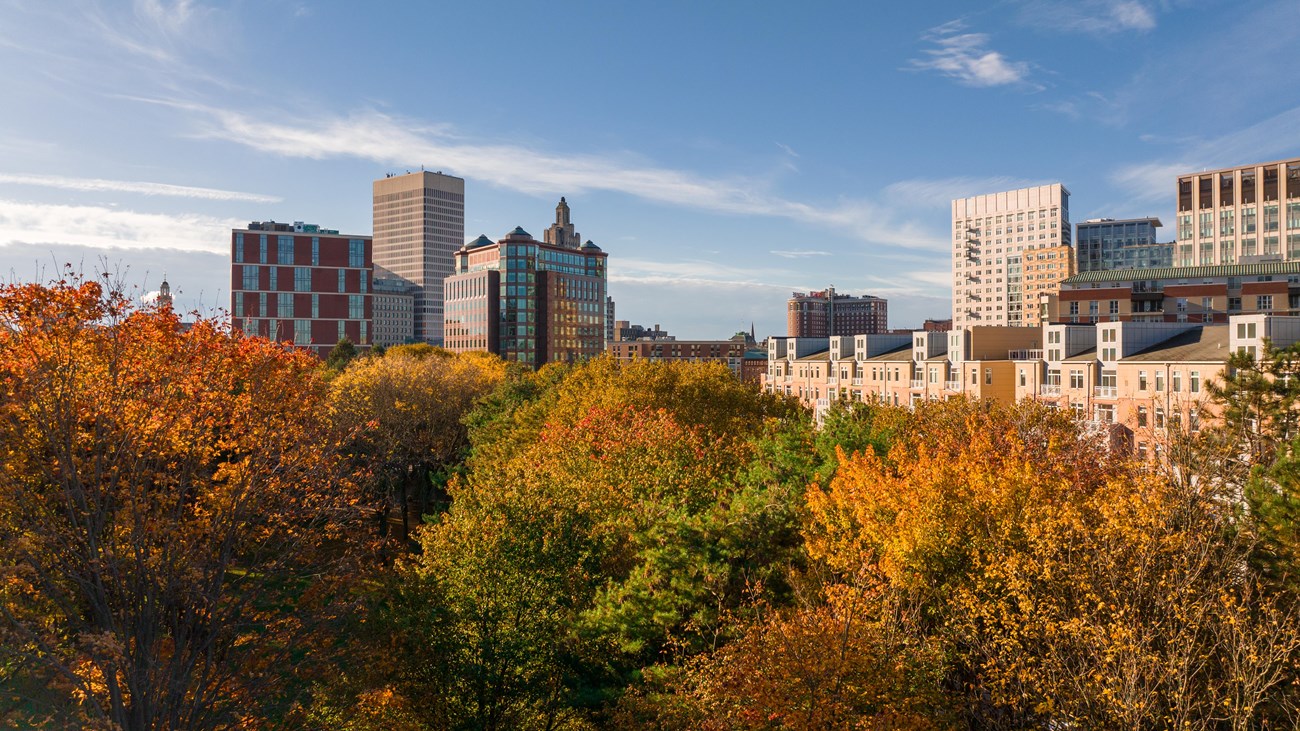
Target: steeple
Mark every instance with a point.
(165, 293)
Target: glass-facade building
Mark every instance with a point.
(1106, 244)
(527, 300)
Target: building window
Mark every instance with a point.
(239, 248)
(1177, 383)
(262, 248)
(315, 251)
(1194, 382)
(1160, 417)
(343, 280)
(302, 332)
(1160, 381)
(356, 307)
(273, 278)
(988, 375)
(239, 304)
(315, 307)
(284, 305)
(1022, 377)
(284, 255)
(250, 276)
(1142, 416)
(356, 253)
(1076, 379)
(301, 279)
(1264, 302)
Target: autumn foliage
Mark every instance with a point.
(196, 531)
(162, 493)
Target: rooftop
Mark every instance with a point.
(1189, 273)
(1201, 344)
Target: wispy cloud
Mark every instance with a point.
(941, 192)
(1153, 180)
(1088, 16)
(387, 140)
(799, 253)
(154, 28)
(100, 227)
(967, 58)
(129, 186)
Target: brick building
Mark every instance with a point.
(302, 284)
(828, 313)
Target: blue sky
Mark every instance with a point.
(724, 154)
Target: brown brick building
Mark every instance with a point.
(828, 314)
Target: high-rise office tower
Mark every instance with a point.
(419, 224)
(995, 238)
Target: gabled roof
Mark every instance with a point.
(1188, 273)
(1207, 344)
(899, 354)
(1083, 356)
(821, 356)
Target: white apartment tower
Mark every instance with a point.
(994, 236)
(419, 223)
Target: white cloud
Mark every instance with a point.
(941, 192)
(1088, 16)
(99, 227)
(1276, 136)
(387, 140)
(967, 58)
(798, 253)
(127, 186)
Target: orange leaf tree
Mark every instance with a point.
(164, 503)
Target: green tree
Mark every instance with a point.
(341, 355)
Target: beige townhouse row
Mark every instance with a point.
(1136, 380)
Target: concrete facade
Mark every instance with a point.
(419, 223)
(1239, 215)
(995, 237)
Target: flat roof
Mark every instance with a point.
(1239, 167)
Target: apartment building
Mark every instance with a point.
(1200, 294)
(730, 353)
(995, 237)
(829, 313)
(301, 283)
(1134, 381)
(1239, 215)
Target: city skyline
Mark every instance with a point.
(731, 158)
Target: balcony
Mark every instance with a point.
(918, 383)
(1049, 389)
(1104, 391)
(952, 385)
(857, 382)
(832, 381)
(1024, 355)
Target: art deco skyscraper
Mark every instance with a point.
(419, 224)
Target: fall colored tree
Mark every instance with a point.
(403, 415)
(1069, 586)
(167, 508)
